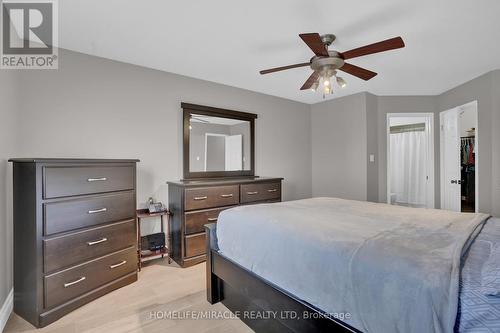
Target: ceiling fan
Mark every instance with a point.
(325, 63)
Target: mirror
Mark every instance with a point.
(217, 142)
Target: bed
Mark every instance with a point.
(326, 264)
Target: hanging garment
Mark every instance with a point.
(471, 184)
(470, 156)
(463, 153)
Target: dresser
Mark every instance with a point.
(194, 203)
(75, 235)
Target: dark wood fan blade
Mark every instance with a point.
(277, 69)
(358, 71)
(386, 45)
(310, 81)
(313, 40)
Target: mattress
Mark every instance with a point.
(297, 279)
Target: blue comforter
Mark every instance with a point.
(395, 269)
(478, 313)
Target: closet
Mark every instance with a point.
(468, 173)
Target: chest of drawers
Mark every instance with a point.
(198, 202)
(75, 235)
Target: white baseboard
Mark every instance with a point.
(6, 309)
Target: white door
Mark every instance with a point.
(450, 160)
(234, 152)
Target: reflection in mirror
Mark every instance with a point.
(218, 144)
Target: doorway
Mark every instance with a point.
(223, 152)
(459, 158)
(410, 159)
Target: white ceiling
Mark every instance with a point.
(448, 42)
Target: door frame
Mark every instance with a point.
(431, 186)
(476, 158)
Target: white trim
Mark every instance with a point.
(476, 158)
(429, 122)
(441, 164)
(6, 310)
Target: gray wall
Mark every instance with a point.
(9, 90)
(339, 147)
(372, 130)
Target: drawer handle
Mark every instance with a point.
(272, 190)
(253, 193)
(226, 195)
(102, 210)
(118, 264)
(97, 242)
(69, 284)
(200, 198)
(97, 179)
(212, 219)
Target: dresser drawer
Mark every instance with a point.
(195, 245)
(69, 181)
(196, 220)
(67, 250)
(209, 197)
(65, 285)
(260, 192)
(81, 213)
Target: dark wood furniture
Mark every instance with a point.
(75, 235)
(242, 291)
(188, 110)
(194, 203)
(144, 214)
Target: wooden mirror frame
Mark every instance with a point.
(187, 110)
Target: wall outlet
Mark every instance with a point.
(372, 158)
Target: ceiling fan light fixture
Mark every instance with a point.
(327, 85)
(325, 62)
(328, 89)
(341, 82)
(315, 85)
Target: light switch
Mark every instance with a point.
(372, 158)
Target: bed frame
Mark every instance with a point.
(264, 307)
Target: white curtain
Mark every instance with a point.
(408, 164)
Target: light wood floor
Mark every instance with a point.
(161, 288)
